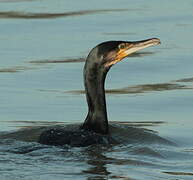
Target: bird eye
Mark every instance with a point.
(121, 46)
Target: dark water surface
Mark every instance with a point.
(43, 46)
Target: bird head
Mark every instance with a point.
(109, 53)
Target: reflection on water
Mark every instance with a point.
(15, 69)
(58, 61)
(142, 88)
(25, 15)
(12, 1)
(180, 173)
(98, 165)
(185, 80)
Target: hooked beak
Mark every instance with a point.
(138, 45)
(131, 47)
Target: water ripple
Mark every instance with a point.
(30, 15)
(144, 88)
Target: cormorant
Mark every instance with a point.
(100, 59)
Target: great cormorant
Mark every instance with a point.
(100, 59)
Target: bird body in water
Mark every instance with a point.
(95, 128)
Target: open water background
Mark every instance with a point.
(43, 44)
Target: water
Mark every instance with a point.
(43, 45)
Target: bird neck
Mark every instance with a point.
(94, 79)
